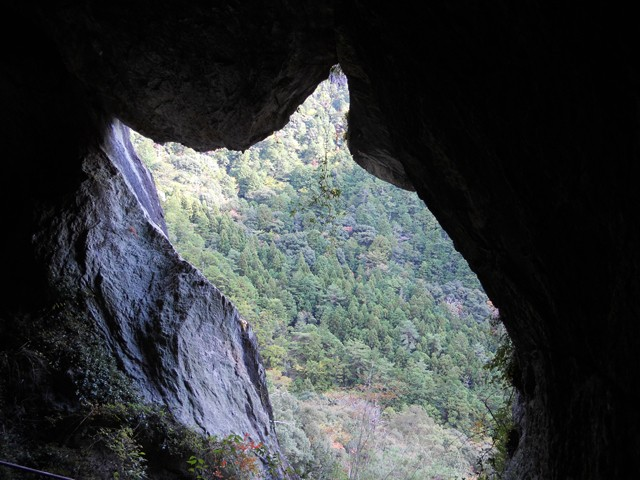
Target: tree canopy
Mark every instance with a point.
(352, 287)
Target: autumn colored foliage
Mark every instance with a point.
(231, 457)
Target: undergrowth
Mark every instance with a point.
(503, 429)
(66, 408)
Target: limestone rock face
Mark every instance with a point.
(516, 123)
(174, 334)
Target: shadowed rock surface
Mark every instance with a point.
(516, 123)
(207, 74)
(174, 334)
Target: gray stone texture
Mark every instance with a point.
(517, 123)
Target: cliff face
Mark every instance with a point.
(176, 338)
(173, 333)
(517, 124)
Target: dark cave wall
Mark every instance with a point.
(82, 216)
(517, 124)
(48, 125)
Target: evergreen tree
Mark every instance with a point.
(349, 283)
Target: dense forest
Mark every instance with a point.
(377, 337)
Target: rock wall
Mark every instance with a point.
(516, 123)
(174, 334)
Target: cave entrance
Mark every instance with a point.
(375, 333)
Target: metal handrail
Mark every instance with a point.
(33, 470)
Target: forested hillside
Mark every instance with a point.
(375, 333)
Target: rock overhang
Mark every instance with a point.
(499, 117)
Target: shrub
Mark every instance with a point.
(230, 457)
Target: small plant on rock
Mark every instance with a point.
(230, 457)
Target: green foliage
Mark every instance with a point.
(348, 282)
(348, 435)
(60, 340)
(301, 428)
(95, 426)
(231, 457)
(504, 362)
(502, 426)
(132, 462)
(502, 435)
(197, 467)
(72, 345)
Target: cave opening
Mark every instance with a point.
(375, 333)
(516, 125)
